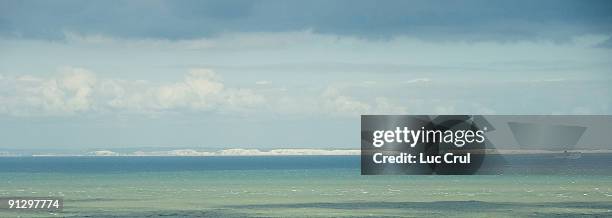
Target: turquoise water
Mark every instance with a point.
(301, 186)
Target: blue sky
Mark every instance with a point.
(287, 74)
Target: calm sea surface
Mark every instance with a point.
(308, 186)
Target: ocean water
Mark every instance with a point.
(304, 186)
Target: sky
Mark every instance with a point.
(286, 74)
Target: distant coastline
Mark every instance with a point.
(256, 152)
(194, 152)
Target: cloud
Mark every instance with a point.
(430, 20)
(80, 91)
(336, 103)
(199, 90)
(68, 93)
(77, 90)
(262, 82)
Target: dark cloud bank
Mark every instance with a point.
(435, 20)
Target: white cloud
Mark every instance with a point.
(386, 106)
(68, 93)
(79, 84)
(262, 82)
(337, 103)
(239, 98)
(79, 90)
(199, 90)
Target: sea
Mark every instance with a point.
(534, 185)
